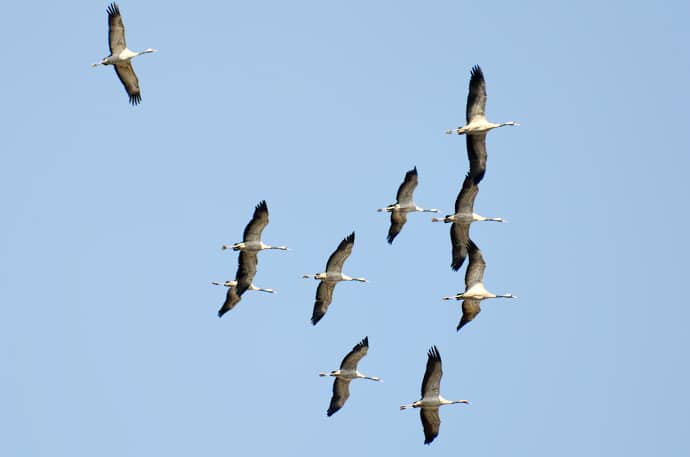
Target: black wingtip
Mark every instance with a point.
(390, 238)
(134, 100)
(350, 238)
(434, 354)
(113, 9)
(330, 412)
(476, 72)
(262, 205)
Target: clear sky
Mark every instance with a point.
(113, 217)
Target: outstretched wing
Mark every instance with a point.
(476, 154)
(324, 297)
(337, 259)
(431, 384)
(355, 355)
(246, 270)
(232, 298)
(476, 98)
(464, 203)
(341, 392)
(129, 79)
(476, 267)
(116, 30)
(431, 422)
(252, 232)
(470, 309)
(407, 187)
(459, 235)
(398, 220)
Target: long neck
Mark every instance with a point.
(477, 217)
(359, 279)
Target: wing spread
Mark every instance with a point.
(476, 266)
(337, 259)
(476, 154)
(231, 299)
(431, 384)
(470, 309)
(129, 79)
(252, 232)
(246, 270)
(407, 187)
(324, 297)
(464, 203)
(431, 422)
(355, 355)
(476, 98)
(116, 30)
(341, 392)
(398, 220)
(459, 236)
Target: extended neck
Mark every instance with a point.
(477, 217)
(282, 248)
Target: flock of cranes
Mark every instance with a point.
(462, 246)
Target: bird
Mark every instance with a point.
(232, 298)
(120, 56)
(233, 283)
(332, 275)
(346, 373)
(251, 239)
(247, 262)
(431, 397)
(463, 217)
(403, 205)
(477, 125)
(474, 286)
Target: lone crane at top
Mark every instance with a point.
(404, 204)
(120, 56)
(477, 125)
(431, 396)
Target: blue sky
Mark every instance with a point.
(113, 218)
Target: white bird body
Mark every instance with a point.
(476, 122)
(251, 238)
(433, 401)
(431, 397)
(332, 276)
(466, 218)
(479, 125)
(253, 246)
(234, 283)
(120, 55)
(349, 375)
(462, 219)
(404, 204)
(347, 372)
(475, 291)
